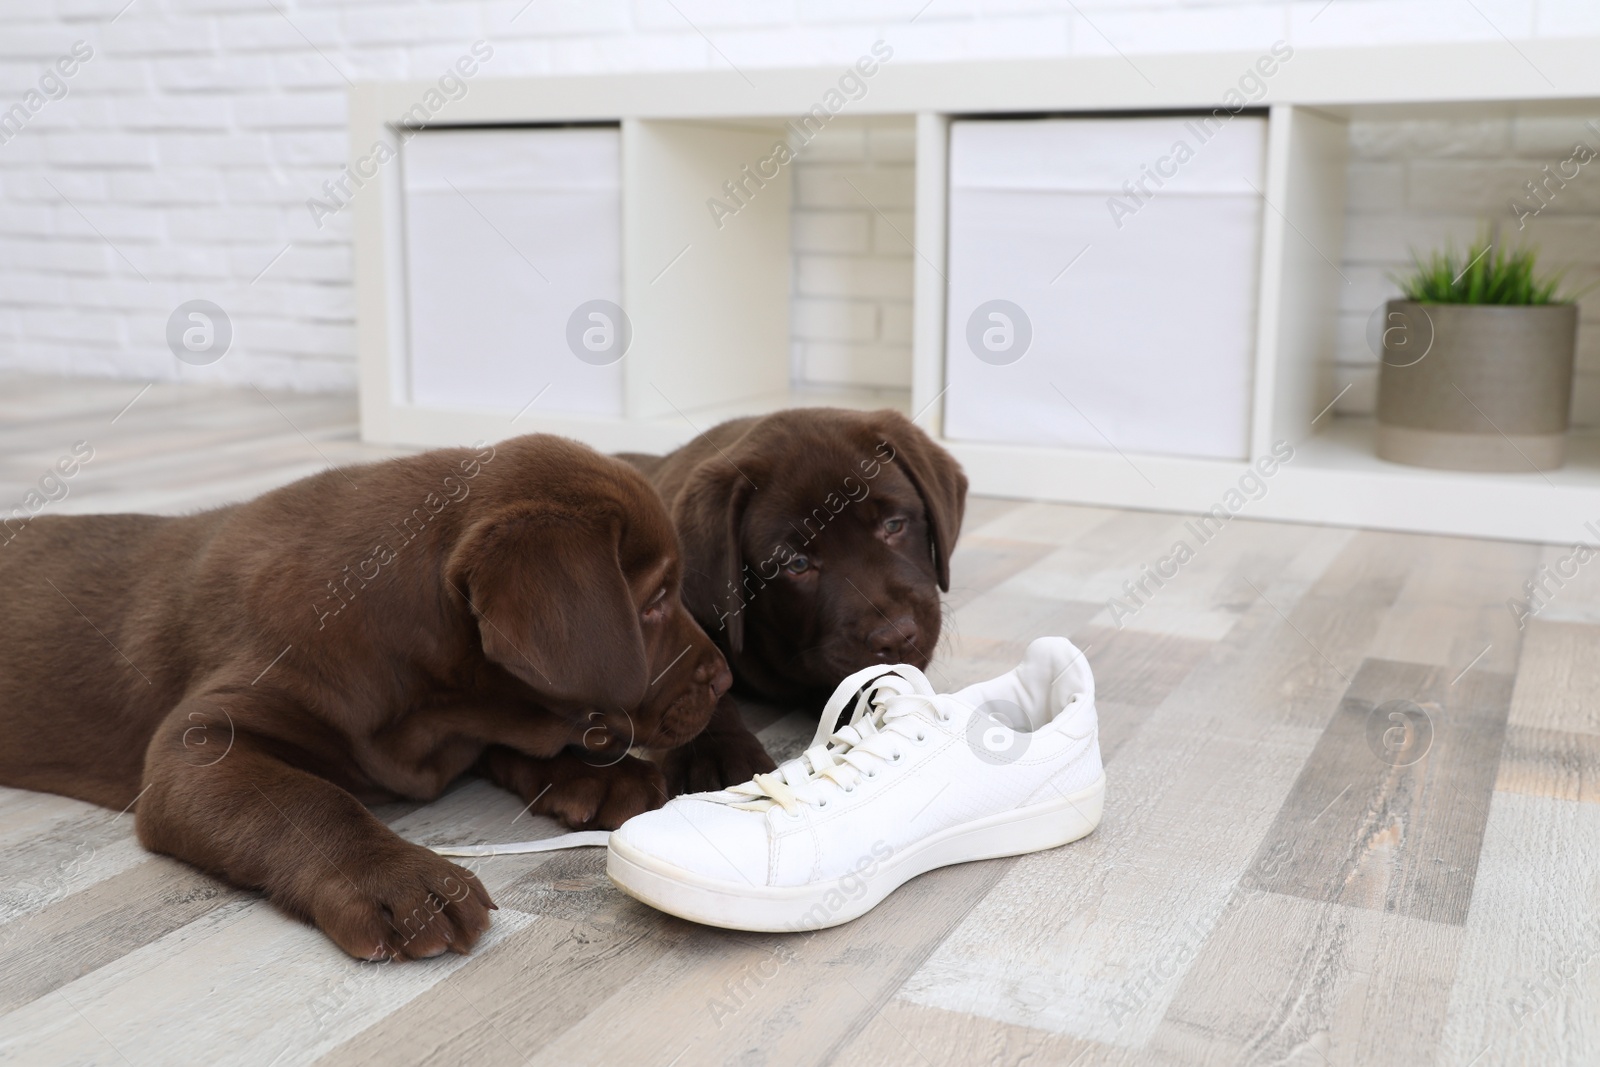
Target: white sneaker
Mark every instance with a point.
(914, 781)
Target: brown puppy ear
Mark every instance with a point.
(552, 605)
(710, 521)
(938, 479)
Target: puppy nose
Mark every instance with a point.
(713, 671)
(892, 642)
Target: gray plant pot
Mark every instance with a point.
(1476, 387)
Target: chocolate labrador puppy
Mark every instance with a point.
(816, 542)
(251, 676)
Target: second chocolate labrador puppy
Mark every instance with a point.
(816, 542)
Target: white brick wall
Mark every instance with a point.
(1418, 185)
(179, 163)
(854, 188)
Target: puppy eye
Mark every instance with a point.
(657, 603)
(894, 525)
(797, 565)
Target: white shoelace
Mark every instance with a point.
(887, 702)
(577, 839)
(891, 703)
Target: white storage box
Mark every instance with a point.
(1145, 342)
(508, 234)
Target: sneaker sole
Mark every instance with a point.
(781, 909)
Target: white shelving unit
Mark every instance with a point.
(709, 305)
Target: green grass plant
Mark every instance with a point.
(1484, 274)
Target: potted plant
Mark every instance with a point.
(1477, 364)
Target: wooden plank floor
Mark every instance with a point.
(1353, 817)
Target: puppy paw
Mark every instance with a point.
(412, 905)
(715, 760)
(601, 796)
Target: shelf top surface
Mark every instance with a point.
(1551, 75)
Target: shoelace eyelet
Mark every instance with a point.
(921, 737)
(895, 758)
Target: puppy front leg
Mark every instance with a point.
(586, 792)
(222, 801)
(725, 753)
